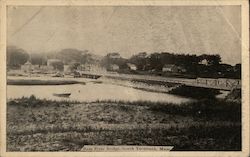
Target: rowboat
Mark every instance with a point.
(62, 94)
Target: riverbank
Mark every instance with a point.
(146, 85)
(41, 82)
(157, 86)
(44, 125)
(165, 87)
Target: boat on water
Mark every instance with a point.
(62, 94)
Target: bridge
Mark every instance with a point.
(220, 83)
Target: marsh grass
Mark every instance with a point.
(46, 125)
(208, 109)
(32, 101)
(205, 109)
(191, 138)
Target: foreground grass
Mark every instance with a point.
(44, 125)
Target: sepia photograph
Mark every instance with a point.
(124, 78)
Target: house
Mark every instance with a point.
(114, 55)
(96, 68)
(43, 69)
(169, 68)
(47, 69)
(55, 63)
(131, 66)
(113, 67)
(91, 68)
(84, 67)
(181, 69)
(50, 62)
(27, 67)
(66, 69)
(204, 62)
(30, 68)
(142, 55)
(173, 68)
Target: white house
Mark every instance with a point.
(170, 68)
(131, 66)
(204, 62)
(173, 68)
(114, 55)
(27, 67)
(66, 69)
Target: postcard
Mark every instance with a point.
(124, 78)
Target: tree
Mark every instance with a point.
(71, 55)
(16, 57)
(38, 59)
(167, 58)
(237, 69)
(57, 65)
(114, 58)
(140, 60)
(155, 61)
(212, 59)
(87, 59)
(73, 66)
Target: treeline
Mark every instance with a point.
(17, 57)
(195, 65)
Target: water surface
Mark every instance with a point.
(91, 92)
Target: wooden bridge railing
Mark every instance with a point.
(221, 83)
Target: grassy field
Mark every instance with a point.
(44, 125)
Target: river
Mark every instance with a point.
(91, 92)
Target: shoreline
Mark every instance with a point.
(148, 86)
(42, 82)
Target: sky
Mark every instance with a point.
(128, 29)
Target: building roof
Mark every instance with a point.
(114, 55)
(28, 63)
(114, 65)
(204, 61)
(169, 66)
(131, 65)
